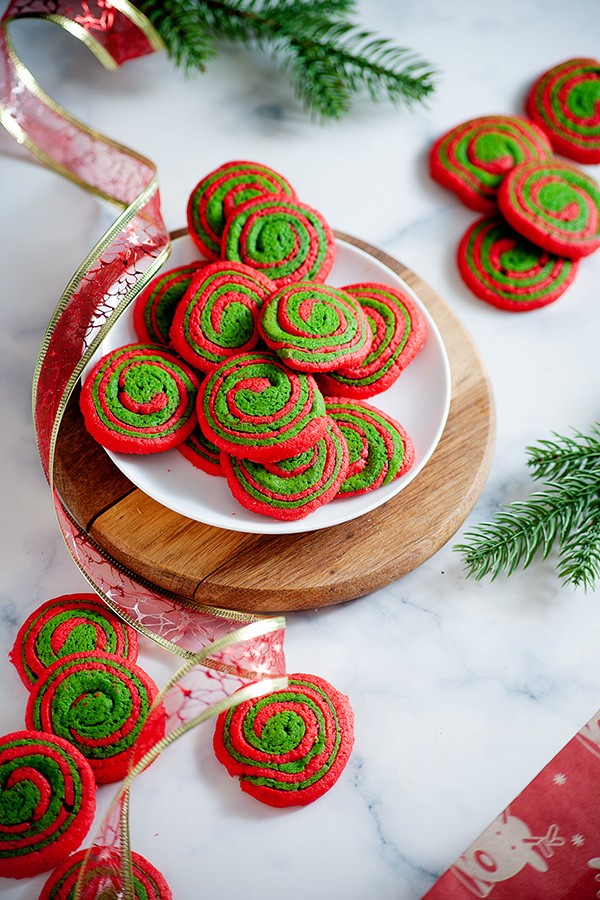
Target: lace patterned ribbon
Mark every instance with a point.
(230, 656)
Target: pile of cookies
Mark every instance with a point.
(542, 214)
(253, 367)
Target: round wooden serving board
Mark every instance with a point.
(279, 573)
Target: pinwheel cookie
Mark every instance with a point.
(292, 488)
(379, 448)
(508, 271)
(201, 452)
(290, 747)
(565, 102)
(100, 863)
(314, 327)
(47, 802)
(255, 407)
(218, 316)
(399, 331)
(555, 205)
(284, 239)
(72, 623)
(102, 705)
(140, 399)
(221, 191)
(473, 158)
(154, 308)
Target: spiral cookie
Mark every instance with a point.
(291, 488)
(565, 102)
(473, 158)
(219, 314)
(99, 703)
(507, 270)
(201, 452)
(47, 802)
(399, 331)
(139, 399)
(315, 327)
(255, 407)
(154, 308)
(285, 239)
(290, 747)
(379, 448)
(148, 882)
(72, 623)
(221, 191)
(554, 205)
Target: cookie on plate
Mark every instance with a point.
(102, 705)
(290, 747)
(255, 407)
(379, 448)
(221, 191)
(472, 158)
(48, 802)
(315, 327)
(291, 488)
(202, 453)
(565, 102)
(286, 240)
(154, 308)
(218, 316)
(140, 399)
(71, 623)
(508, 271)
(554, 205)
(399, 331)
(101, 866)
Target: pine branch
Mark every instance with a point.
(522, 529)
(550, 459)
(327, 58)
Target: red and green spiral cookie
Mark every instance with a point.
(473, 158)
(47, 802)
(554, 205)
(285, 239)
(505, 269)
(72, 623)
(100, 704)
(148, 882)
(219, 314)
(315, 327)
(399, 331)
(255, 407)
(291, 488)
(202, 453)
(140, 399)
(565, 102)
(221, 191)
(290, 747)
(154, 308)
(379, 448)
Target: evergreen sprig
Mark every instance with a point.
(328, 58)
(566, 512)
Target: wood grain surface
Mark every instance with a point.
(273, 573)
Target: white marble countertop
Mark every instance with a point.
(462, 690)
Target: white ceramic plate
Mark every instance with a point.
(419, 400)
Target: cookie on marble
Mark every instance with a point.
(508, 271)
(148, 882)
(290, 747)
(472, 158)
(48, 801)
(71, 623)
(554, 205)
(565, 102)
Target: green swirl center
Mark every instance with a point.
(282, 732)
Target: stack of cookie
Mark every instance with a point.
(239, 351)
(542, 214)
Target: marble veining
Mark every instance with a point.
(462, 690)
